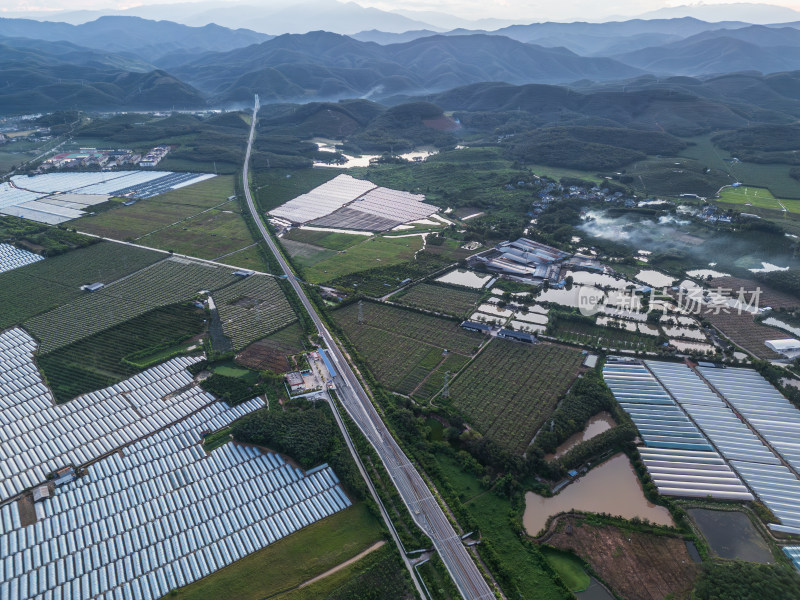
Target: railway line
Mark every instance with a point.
(416, 495)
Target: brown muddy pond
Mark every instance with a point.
(597, 424)
(611, 488)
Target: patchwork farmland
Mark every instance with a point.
(511, 388)
(44, 285)
(171, 280)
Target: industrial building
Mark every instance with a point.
(531, 262)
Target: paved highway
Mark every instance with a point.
(424, 508)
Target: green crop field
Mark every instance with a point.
(456, 178)
(153, 214)
(511, 388)
(457, 302)
(403, 347)
(42, 286)
(758, 197)
(273, 187)
(379, 574)
(249, 257)
(252, 309)
(371, 253)
(209, 235)
(197, 220)
(557, 173)
(774, 176)
(168, 282)
(379, 281)
(305, 255)
(284, 565)
(569, 567)
(97, 361)
(330, 240)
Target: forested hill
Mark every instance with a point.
(45, 76)
(321, 64)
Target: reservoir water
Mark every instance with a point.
(611, 488)
(597, 424)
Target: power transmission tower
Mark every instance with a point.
(360, 311)
(446, 388)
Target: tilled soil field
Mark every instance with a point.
(638, 566)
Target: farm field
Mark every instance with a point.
(371, 253)
(305, 255)
(458, 302)
(273, 187)
(380, 281)
(767, 297)
(759, 197)
(638, 566)
(456, 178)
(97, 361)
(402, 347)
(271, 352)
(248, 258)
(775, 176)
(210, 235)
(159, 212)
(490, 512)
(380, 574)
(168, 282)
(568, 567)
(434, 382)
(287, 563)
(331, 240)
(743, 331)
(252, 308)
(42, 286)
(598, 335)
(509, 390)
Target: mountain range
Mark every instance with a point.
(45, 64)
(348, 17)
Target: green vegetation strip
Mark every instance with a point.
(292, 560)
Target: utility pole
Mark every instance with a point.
(360, 311)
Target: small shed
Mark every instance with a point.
(519, 336)
(475, 326)
(93, 287)
(41, 493)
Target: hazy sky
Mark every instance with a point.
(521, 10)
